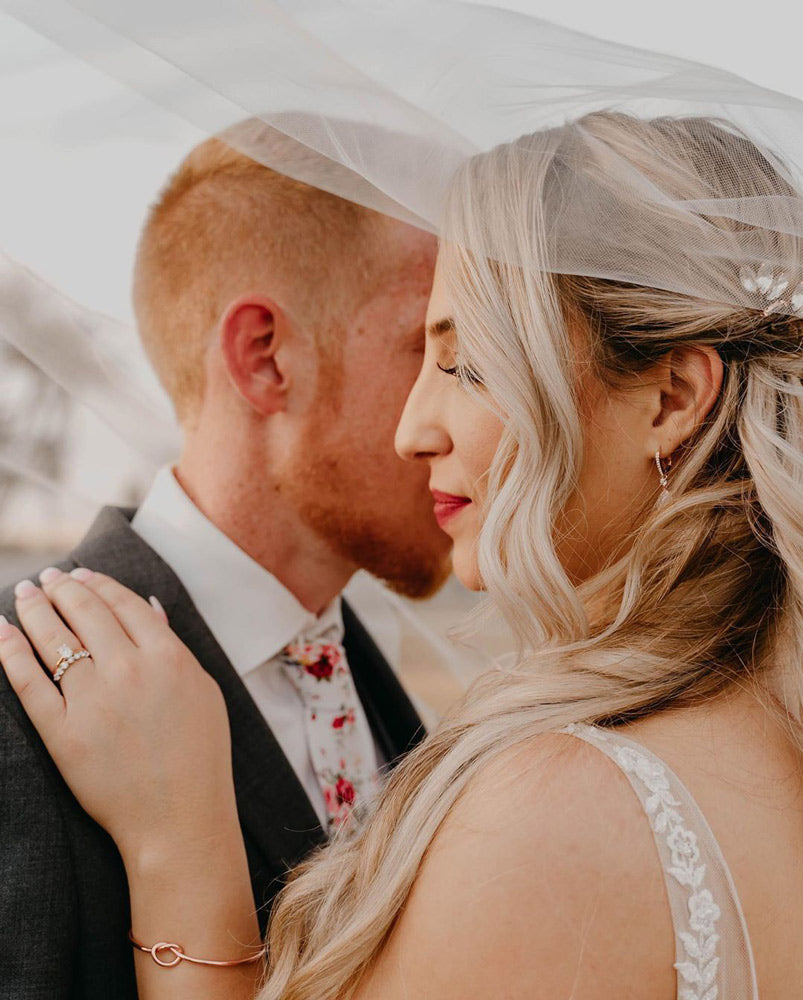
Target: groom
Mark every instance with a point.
(287, 327)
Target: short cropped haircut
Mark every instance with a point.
(225, 225)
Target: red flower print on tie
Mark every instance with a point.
(319, 660)
(340, 720)
(321, 668)
(345, 791)
(340, 796)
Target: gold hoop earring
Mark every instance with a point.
(663, 466)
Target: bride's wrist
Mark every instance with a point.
(156, 856)
(194, 892)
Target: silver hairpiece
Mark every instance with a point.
(771, 286)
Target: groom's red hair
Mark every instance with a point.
(224, 225)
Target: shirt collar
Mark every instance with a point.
(250, 613)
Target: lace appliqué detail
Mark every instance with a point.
(700, 939)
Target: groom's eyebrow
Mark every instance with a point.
(441, 327)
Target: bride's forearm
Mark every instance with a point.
(144, 744)
(196, 895)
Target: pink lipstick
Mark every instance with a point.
(447, 505)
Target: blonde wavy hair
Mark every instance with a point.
(734, 530)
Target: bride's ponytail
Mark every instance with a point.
(771, 433)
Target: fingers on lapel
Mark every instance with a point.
(39, 696)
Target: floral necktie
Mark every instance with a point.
(339, 737)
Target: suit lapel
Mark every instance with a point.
(279, 823)
(277, 818)
(391, 714)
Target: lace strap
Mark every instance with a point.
(713, 957)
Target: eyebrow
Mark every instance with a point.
(442, 326)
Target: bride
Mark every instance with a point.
(620, 466)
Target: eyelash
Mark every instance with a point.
(462, 374)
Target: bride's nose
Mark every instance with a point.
(421, 433)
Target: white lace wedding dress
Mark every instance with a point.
(713, 957)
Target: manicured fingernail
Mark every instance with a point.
(156, 604)
(82, 574)
(49, 575)
(25, 589)
(6, 631)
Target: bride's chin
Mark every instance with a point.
(466, 567)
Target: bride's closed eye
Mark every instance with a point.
(462, 373)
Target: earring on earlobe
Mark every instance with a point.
(663, 466)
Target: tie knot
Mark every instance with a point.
(316, 666)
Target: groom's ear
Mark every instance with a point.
(252, 331)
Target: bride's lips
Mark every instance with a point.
(447, 505)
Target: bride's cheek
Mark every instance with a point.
(480, 443)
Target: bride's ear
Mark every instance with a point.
(252, 331)
(690, 385)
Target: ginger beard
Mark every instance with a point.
(347, 483)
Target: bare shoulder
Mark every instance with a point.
(544, 882)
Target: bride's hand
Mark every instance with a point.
(139, 731)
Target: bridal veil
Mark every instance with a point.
(382, 101)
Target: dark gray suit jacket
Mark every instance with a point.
(64, 910)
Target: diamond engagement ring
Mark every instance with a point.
(68, 656)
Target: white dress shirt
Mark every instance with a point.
(249, 612)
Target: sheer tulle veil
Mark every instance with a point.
(383, 102)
